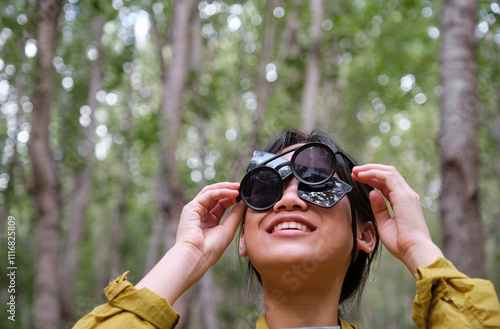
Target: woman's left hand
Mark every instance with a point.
(405, 235)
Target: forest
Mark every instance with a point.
(114, 114)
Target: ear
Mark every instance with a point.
(367, 239)
(243, 247)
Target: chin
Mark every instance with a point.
(286, 257)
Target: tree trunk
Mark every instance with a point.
(154, 244)
(203, 300)
(158, 223)
(209, 301)
(79, 197)
(47, 187)
(101, 234)
(117, 224)
(263, 87)
(17, 166)
(313, 75)
(170, 195)
(171, 186)
(292, 23)
(329, 104)
(459, 200)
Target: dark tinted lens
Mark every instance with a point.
(261, 188)
(314, 164)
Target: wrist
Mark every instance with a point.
(421, 255)
(175, 273)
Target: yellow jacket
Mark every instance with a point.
(445, 299)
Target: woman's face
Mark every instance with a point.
(297, 233)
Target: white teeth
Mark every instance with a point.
(291, 225)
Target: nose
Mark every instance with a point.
(290, 199)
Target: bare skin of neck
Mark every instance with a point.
(310, 304)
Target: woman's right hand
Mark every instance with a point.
(200, 231)
(200, 242)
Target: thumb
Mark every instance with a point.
(379, 207)
(234, 218)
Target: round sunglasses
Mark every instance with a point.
(312, 164)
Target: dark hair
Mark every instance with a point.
(359, 270)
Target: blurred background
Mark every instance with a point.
(114, 114)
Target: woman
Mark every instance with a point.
(310, 230)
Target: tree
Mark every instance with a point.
(312, 75)
(79, 196)
(170, 195)
(458, 140)
(47, 185)
(263, 87)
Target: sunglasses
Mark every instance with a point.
(312, 164)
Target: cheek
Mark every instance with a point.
(345, 209)
(253, 247)
(340, 213)
(338, 224)
(253, 218)
(252, 224)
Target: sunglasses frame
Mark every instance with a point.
(247, 177)
(298, 150)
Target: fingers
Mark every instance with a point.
(384, 178)
(378, 175)
(211, 194)
(213, 217)
(379, 207)
(221, 207)
(214, 198)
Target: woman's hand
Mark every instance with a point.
(199, 230)
(406, 234)
(200, 242)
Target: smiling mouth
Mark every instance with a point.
(291, 226)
